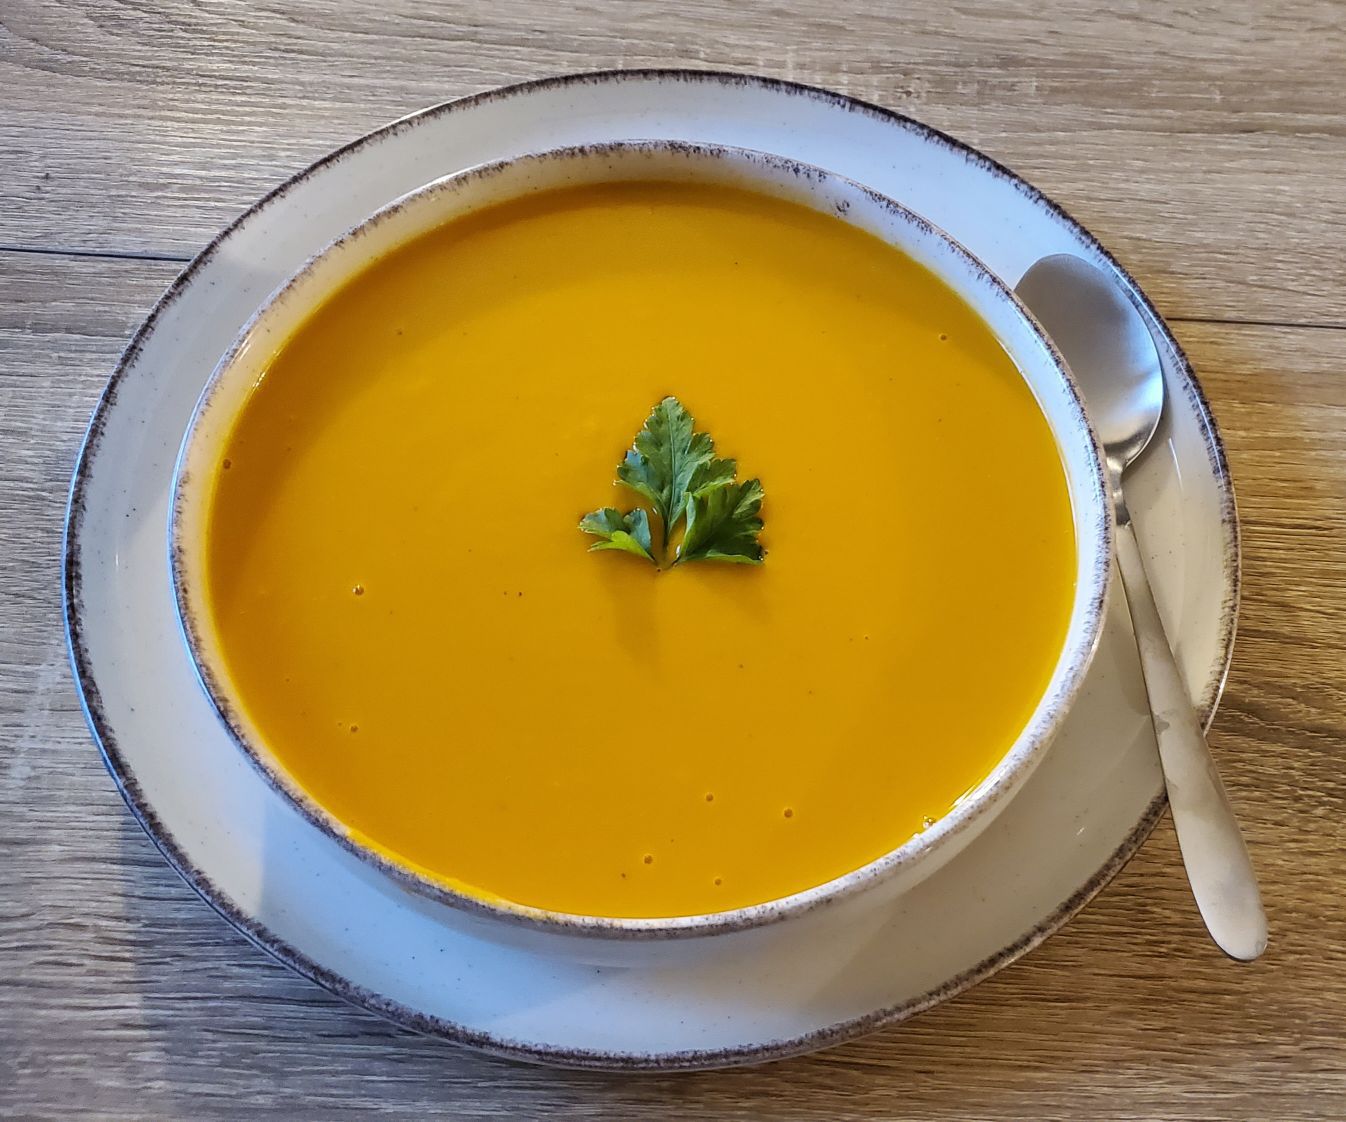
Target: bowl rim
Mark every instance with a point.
(985, 798)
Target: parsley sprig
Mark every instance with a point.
(674, 469)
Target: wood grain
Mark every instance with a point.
(1194, 141)
(1206, 144)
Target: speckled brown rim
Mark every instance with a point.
(834, 194)
(124, 778)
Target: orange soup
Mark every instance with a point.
(411, 617)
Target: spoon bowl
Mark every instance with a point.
(1123, 381)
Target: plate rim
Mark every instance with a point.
(128, 786)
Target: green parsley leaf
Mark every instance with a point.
(723, 522)
(713, 473)
(674, 468)
(628, 532)
(670, 460)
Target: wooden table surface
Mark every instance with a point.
(1205, 143)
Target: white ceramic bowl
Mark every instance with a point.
(442, 201)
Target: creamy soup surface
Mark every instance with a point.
(413, 621)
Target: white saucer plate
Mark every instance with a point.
(300, 896)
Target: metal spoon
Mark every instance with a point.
(1113, 357)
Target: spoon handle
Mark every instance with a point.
(1218, 867)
